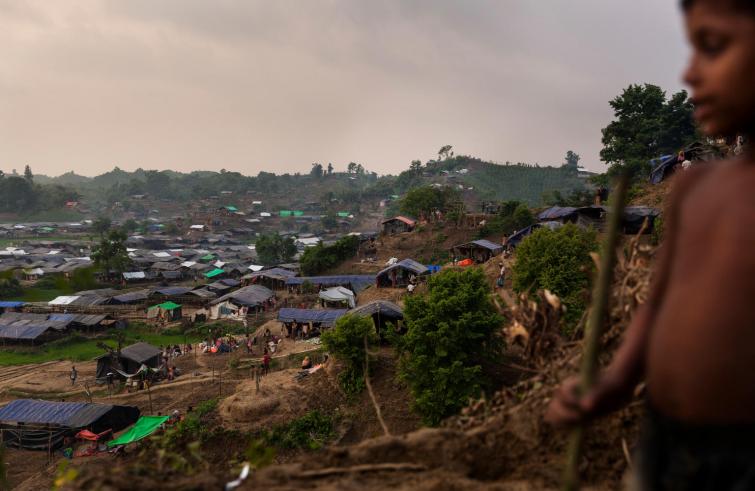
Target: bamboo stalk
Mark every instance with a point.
(595, 325)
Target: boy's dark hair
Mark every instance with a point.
(748, 5)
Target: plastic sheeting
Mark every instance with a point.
(338, 294)
(144, 427)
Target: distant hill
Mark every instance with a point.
(492, 182)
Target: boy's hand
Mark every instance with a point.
(568, 408)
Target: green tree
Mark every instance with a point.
(130, 225)
(446, 151)
(330, 168)
(101, 225)
(416, 166)
(316, 171)
(27, 174)
(320, 258)
(559, 261)
(423, 201)
(571, 161)
(512, 216)
(110, 255)
(275, 249)
(330, 221)
(451, 332)
(645, 126)
(346, 342)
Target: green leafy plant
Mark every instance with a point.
(451, 332)
(311, 431)
(559, 261)
(346, 342)
(321, 257)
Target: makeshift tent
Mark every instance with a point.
(130, 361)
(215, 272)
(519, 236)
(398, 274)
(132, 297)
(325, 318)
(144, 427)
(41, 425)
(170, 291)
(381, 311)
(248, 296)
(168, 310)
(338, 294)
(479, 250)
(355, 283)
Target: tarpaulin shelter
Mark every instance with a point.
(515, 239)
(248, 297)
(171, 291)
(398, 274)
(381, 311)
(635, 216)
(397, 225)
(355, 283)
(168, 310)
(5, 305)
(40, 425)
(479, 250)
(131, 297)
(338, 294)
(213, 273)
(144, 427)
(324, 318)
(130, 360)
(274, 278)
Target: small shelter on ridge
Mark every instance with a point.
(397, 225)
(167, 310)
(338, 295)
(399, 274)
(478, 250)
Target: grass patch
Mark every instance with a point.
(76, 347)
(36, 294)
(312, 431)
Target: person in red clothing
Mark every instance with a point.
(266, 362)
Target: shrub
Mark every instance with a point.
(320, 257)
(311, 431)
(557, 260)
(346, 343)
(450, 331)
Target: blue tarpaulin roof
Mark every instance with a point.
(356, 283)
(325, 317)
(25, 331)
(661, 166)
(11, 305)
(71, 414)
(68, 416)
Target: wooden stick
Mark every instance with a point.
(378, 412)
(330, 471)
(595, 325)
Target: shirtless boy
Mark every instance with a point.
(693, 341)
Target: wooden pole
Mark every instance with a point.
(149, 395)
(595, 325)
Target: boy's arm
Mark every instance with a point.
(614, 387)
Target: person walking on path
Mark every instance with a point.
(74, 375)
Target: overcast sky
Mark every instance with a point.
(275, 85)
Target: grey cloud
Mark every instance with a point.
(260, 85)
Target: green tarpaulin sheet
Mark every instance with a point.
(144, 427)
(285, 213)
(231, 208)
(214, 273)
(298, 213)
(208, 257)
(343, 214)
(165, 306)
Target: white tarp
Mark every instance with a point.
(161, 254)
(338, 294)
(136, 275)
(255, 267)
(63, 300)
